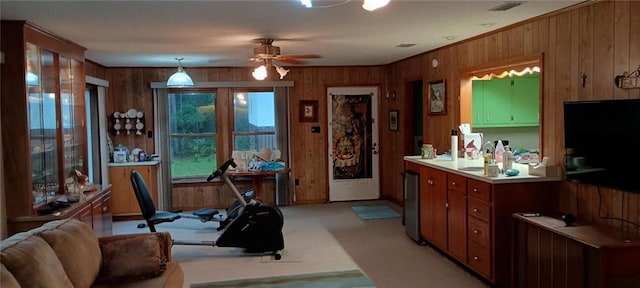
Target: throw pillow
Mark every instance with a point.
(131, 259)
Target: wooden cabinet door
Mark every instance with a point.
(121, 190)
(438, 190)
(526, 101)
(457, 225)
(477, 106)
(101, 212)
(123, 198)
(426, 200)
(497, 102)
(84, 215)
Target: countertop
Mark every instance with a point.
(446, 164)
(141, 163)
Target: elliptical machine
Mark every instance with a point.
(257, 227)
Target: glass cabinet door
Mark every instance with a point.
(41, 98)
(72, 115)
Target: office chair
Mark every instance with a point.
(147, 207)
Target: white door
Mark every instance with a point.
(353, 138)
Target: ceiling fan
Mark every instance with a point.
(267, 53)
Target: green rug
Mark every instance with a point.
(337, 279)
(368, 212)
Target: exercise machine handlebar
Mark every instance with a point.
(222, 169)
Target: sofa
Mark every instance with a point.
(67, 253)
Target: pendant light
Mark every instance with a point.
(180, 78)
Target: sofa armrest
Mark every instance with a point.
(132, 257)
(164, 237)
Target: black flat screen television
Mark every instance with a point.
(607, 134)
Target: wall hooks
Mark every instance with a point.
(391, 96)
(628, 80)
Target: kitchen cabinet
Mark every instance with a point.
(549, 254)
(457, 216)
(123, 198)
(506, 102)
(42, 105)
(433, 211)
(475, 227)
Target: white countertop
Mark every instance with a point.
(141, 163)
(446, 164)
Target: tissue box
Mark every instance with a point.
(544, 171)
(471, 142)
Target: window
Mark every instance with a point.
(254, 120)
(192, 133)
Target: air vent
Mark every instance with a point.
(505, 6)
(406, 45)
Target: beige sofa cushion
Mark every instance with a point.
(77, 248)
(32, 262)
(172, 277)
(6, 278)
(134, 258)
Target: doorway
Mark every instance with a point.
(353, 137)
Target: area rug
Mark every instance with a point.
(369, 212)
(337, 279)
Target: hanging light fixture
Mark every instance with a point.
(371, 5)
(368, 5)
(180, 78)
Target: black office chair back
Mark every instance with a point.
(145, 201)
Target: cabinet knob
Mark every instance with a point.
(105, 208)
(476, 231)
(454, 183)
(476, 210)
(475, 189)
(476, 258)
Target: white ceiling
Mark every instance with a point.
(220, 33)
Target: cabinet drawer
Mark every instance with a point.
(457, 183)
(479, 231)
(480, 190)
(479, 259)
(479, 209)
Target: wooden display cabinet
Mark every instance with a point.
(44, 136)
(124, 202)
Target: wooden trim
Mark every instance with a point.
(229, 84)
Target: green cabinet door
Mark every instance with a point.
(477, 104)
(526, 101)
(497, 102)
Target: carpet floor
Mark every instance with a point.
(337, 279)
(319, 238)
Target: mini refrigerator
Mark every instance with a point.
(412, 205)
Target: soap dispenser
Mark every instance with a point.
(507, 159)
(499, 152)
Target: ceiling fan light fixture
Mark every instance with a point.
(180, 78)
(371, 5)
(282, 71)
(260, 73)
(306, 3)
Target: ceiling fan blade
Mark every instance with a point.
(307, 56)
(290, 60)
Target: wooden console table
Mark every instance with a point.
(257, 177)
(550, 254)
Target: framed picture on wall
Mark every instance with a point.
(393, 120)
(437, 98)
(308, 111)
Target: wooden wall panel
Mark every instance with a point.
(600, 39)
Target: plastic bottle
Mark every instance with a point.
(454, 145)
(499, 152)
(507, 159)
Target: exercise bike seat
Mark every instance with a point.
(206, 213)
